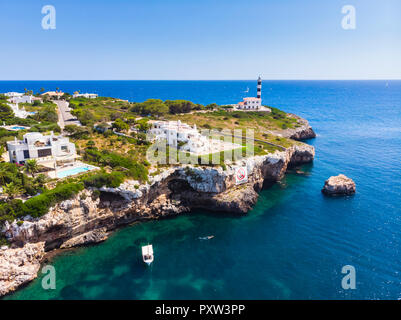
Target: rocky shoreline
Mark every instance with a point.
(89, 218)
(303, 132)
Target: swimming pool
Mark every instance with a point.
(74, 171)
(18, 128)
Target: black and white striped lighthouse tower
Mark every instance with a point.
(259, 93)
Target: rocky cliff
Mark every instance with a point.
(19, 265)
(303, 132)
(88, 218)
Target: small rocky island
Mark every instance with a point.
(339, 185)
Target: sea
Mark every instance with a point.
(295, 243)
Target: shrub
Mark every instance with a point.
(120, 125)
(111, 180)
(150, 107)
(12, 210)
(44, 127)
(5, 112)
(106, 158)
(39, 205)
(180, 106)
(47, 114)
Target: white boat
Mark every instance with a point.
(147, 254)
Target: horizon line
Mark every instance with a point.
(381, 79)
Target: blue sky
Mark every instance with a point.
(200, 39)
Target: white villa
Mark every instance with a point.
(21, 99)
(85, 95)
(14, 98)
(250, 103)
(42, 148)
(175, 132)
(13, 94)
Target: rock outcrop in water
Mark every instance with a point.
(339, 185)
(88, 218)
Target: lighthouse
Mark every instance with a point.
(252, 103)
(259, 93)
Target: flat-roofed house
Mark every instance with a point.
(250, 103)
(21, 99)
(85, 95)
(13, 94)
(41, 148)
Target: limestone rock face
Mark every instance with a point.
(19, 266)
(339, 185)
(91, 237)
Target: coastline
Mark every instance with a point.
(84, 221)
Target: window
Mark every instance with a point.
(26, 154)
(64, 148)
(44, 152)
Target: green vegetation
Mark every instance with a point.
(31, 167)
(78, 132)
(101, 109)
(45, 127)
(150, 107)
(46, 114)
(5, 136)
(120, 125)
(117, 162)
(12, 178)
(15, 183)
(157, 107)
(261, 122)
(182, 106)
(112, 180)
(39, 205)
(6, 113)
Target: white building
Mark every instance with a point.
(175, 133)
(250, 104)
(20, 113)
(85, 95)
(13, 94)
(41, 148)
(21, 99)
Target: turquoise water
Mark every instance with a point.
(293, 244)
(18, 128)
(73, 171)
